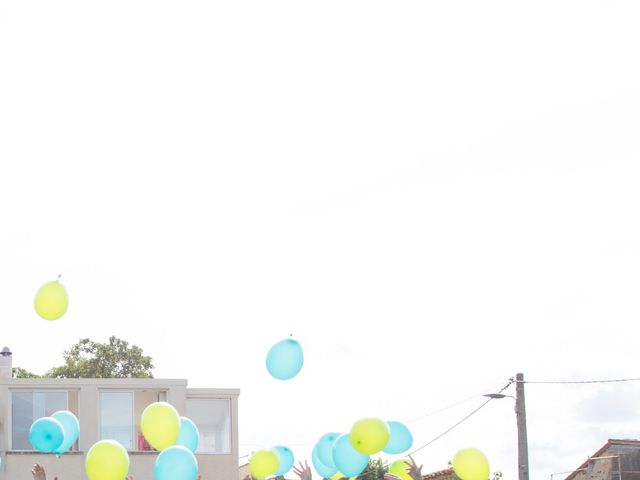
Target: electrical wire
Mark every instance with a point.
(567, 382)
(459, 402)
(511, 380)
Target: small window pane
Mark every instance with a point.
(116, 417)
(213, 419)
(21, 420)
(27, 407)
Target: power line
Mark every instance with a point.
(568, 382)
(511, 380)
(459, 402)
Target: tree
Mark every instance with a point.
(116, 359)
(375, 470)
(19, 372)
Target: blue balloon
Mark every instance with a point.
(325, 448)
(400, 439)
(347, 459)
(70, 427)
(46, 434)
(176, 463)
(286, 459)
(189, 435)
(323, 470)
(285, 359)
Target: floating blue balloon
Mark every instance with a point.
(189, 435)
(325, 448)
(400, 439)
(46, 434)
(285, 359)
(70, 427)
(347, 459)
(323, 470)
(286, 459)
(176, 463)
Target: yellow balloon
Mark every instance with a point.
(160, 425)
(107, 460)
(369, 435)
(263, 463)
(51, 300)
(399, 469)
(471, 464)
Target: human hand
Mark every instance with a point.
(38, 472)
(303, 470)
(413, 470)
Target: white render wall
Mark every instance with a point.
(17, 465)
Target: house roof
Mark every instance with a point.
(446, 474)
(610, 443)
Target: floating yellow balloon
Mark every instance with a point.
(399, 469)
(51, 301)
(107, 460)
(369, 435)
(263, 463)
(471, 464)
(160, 425)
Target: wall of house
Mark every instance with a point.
(70, 466)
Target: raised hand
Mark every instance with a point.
(38, 472)
(413, 470)
(303, 470)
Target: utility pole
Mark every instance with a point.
(521, 417)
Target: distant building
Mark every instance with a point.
(615, 460)
(111, 409)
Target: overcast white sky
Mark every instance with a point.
(430, 196)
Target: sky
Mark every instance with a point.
(430, 196)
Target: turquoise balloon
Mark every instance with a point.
(325, 448)
(189, 435)
(323, 470)
(285, 359)
(176, 463)
(286, 459)
(70, 427)
(347, 459)
(400, 439)
(46, 434)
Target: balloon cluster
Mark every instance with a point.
(55, 434)
(175, 437)
(349, 453)
(275, 461)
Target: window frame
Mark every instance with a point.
(10, 415)
(229, 401)
(133, 420)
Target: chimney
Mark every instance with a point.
(6, 362)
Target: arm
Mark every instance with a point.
(413, 470)
(303, 470)
(38, 472)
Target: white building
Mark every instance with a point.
(111, 409)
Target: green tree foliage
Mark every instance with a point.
(375, 470)
(19, 372)
(116, 359)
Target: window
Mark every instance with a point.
(27, 407)
(212, 416)
(120, 414)
(116, 417)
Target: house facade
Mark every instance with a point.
(111, 409)
(615, 460)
